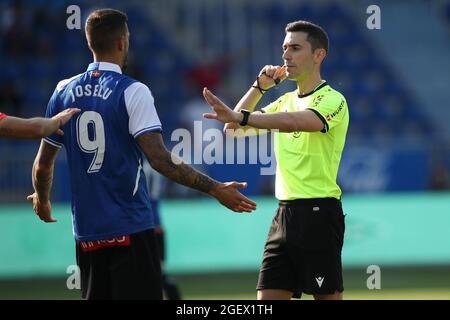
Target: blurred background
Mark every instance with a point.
(395, 170)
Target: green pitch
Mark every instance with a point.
(399, 283)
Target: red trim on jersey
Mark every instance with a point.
(97, 244)
(2, 116)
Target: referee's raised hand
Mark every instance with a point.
(270, 76)
(222, 112)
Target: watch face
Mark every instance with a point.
(246, 114)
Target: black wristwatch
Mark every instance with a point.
(246, 114)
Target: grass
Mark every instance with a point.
(388, 294)
(407, 283)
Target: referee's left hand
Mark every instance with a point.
(222, 112)
(42, 209)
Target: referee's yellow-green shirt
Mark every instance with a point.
(308, 162)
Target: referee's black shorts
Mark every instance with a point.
(122, 268)
(303, 248)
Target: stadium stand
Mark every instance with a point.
(38, 51)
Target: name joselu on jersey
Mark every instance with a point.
(90, 91)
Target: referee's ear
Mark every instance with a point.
(319, 55)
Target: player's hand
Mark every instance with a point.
(223, 113)
(270, 76)
(42, 209)
(228, 195)
(63, 117)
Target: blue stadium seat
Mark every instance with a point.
(382, 108)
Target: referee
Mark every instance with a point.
(302, 253)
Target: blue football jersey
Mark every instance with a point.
(153, 182)
(109, 193)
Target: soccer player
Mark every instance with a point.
(34, 128)
(304, 245)
(112, 220)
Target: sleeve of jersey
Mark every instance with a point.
(52, 109)
(330, 110)
(2, 116)
(141, 110)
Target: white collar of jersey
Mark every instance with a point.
(104, 66)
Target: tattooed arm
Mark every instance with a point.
(167, 164)
(42, 178)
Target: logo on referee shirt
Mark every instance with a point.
(296, 134)
(317, 99)
(319, 281)
(336, 112)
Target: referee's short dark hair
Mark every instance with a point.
(103, 26)
(316, 35)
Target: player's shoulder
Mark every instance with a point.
(134, 87)
(64, 83)
(135, 84)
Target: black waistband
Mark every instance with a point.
(304, 202)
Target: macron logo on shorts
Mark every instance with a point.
(319, 281)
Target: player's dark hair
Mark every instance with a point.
(103, 26)
(317, 37)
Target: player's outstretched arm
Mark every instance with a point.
(167, 164)
(42, 178)
(305, 120)
(35, 128)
